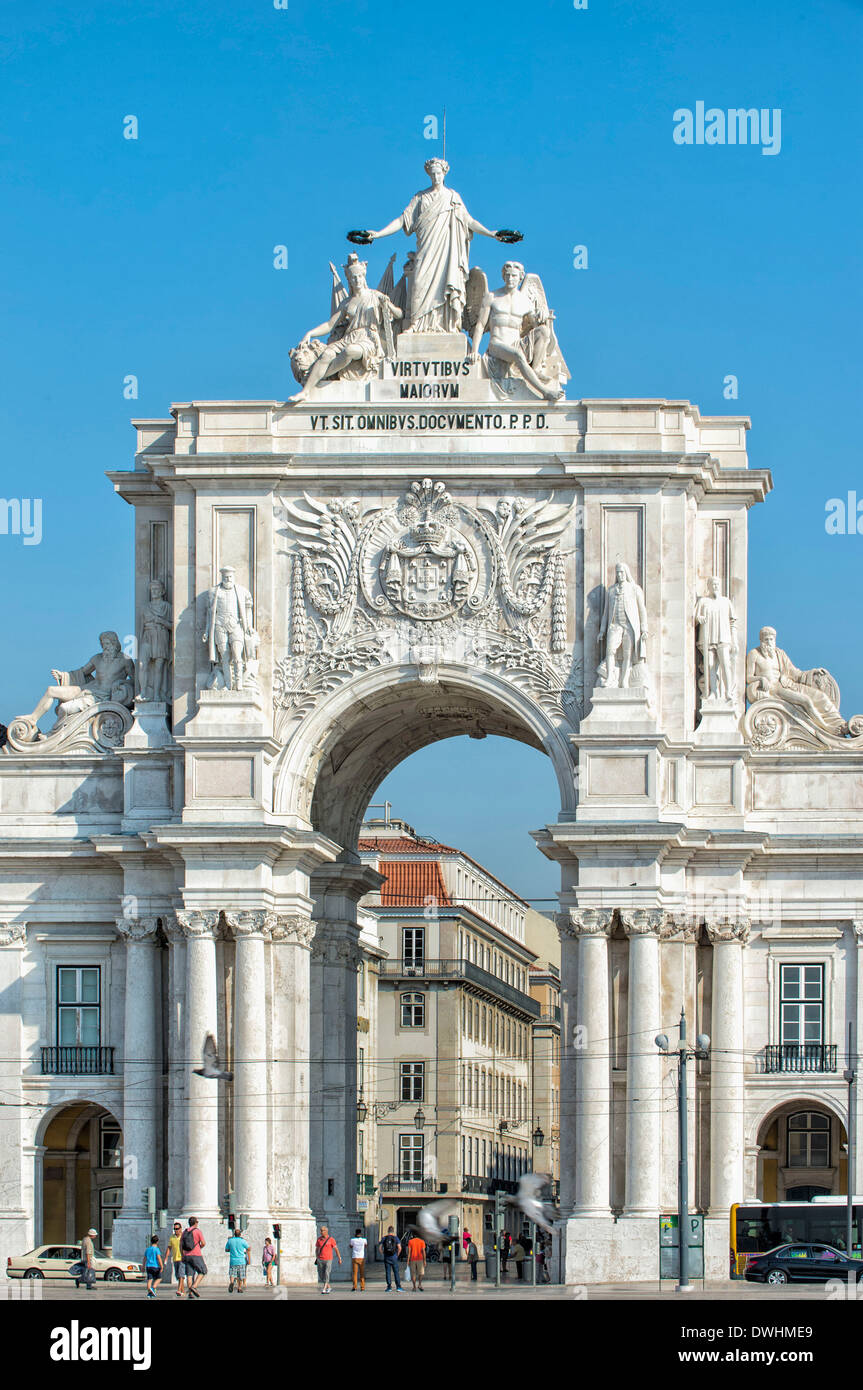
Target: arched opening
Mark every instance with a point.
(802, 1152)
(82, 1174)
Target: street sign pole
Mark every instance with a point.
(683, 1285)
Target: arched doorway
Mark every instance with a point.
(802, 1152)
(82, 1174)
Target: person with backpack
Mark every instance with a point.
(325, 1249)
(391, 1249)
(152, 1265)
(191, 1247)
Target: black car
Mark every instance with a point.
(809, 1263)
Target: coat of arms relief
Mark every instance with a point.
(425, 581)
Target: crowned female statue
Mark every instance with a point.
(443, 228)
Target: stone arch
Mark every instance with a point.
(70, 1174)
(768, 1139)
(344, 749)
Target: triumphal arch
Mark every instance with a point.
(434, 536)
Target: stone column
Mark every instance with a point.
(141, 1119)
(857, 925)
(16, 1221)
(251, 1092)
(292, 935)
(643, 1063)
(588, 1049)
(727, 1179)
(336, 956)
(202, 1110)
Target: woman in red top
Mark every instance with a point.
(325, 1249)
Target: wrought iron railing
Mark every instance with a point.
(800, 1057)
(460, 970)
(393, 1183)
(77, 1061)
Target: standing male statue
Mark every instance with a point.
(624, 629)
(229, 632)
(716, 623)
(154, 653)
(443, 228)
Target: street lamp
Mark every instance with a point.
(538, 1136)
(419, 1119)
(684, 1052)
(362, 1111)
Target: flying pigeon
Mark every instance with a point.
(433, 1221)
(527, 1199)
(211, 1069)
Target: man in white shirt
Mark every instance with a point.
(358, 1259)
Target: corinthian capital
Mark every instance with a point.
(198, 922)
(585, 921)
(643, 921)
(294, 927)
(334, 945)
(250, 922)
(857, 924)
(136, 929)
(13, 933)
(722, 930)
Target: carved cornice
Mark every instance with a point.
(721, 931)
(13, 933)
(585, 921)
(679, 927)
(293, 927)
(198, 923)
(137, 930)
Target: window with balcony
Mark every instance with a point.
(413, 947)
(808, 1140)
(411, 1157)
(801, 1045)
(79, 1006)
(413, 1010)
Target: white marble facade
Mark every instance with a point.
(426, 552)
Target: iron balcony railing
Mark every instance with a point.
(393, 1183)
(799, 1057)
(77, 1061)
(471, 1182)
(411, 970)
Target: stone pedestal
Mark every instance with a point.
(630, 710)
(229, 757)
(150, 726)
(432, 347)
(719, 725)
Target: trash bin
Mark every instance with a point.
(490, 1266)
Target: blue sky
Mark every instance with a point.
(260, 126)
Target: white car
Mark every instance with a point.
(55, 1262)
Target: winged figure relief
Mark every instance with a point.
(531, 568)
(327, 535)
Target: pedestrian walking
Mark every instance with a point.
(505, 1247)
(358, 1259)
(88, 1255)
(473, 1257)
(238, 1260)
(465, 1239)
(268, 1261)
(391, 1249)
(176, 1256)
(153, 1265)
(518, 1254)
(417, 1261)
(325, 1250)
(192, 1245)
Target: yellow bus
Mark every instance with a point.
(760, 1226)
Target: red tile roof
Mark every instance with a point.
(412, 883)
(407, 845)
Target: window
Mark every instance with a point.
(361, 1069)
(362, 981)
(78, 1006)
(801, 1004)
(808, 1140)
(484, 1011)
(411, 1157)
(413, 1010)
(470, 1087)
(110, 1204)
(110, 1143)
(413, 947)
